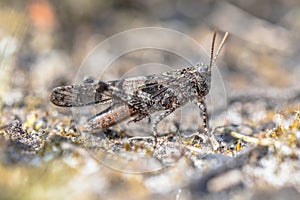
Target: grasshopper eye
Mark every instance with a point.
(88, 79)
(202, 68)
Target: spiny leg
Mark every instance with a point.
(157, 120)
(139, 117)
(202, 105)
(139, 100)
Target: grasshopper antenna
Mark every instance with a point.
(212, 56)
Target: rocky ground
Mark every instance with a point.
(254, 104)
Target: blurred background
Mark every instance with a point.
(43, 43)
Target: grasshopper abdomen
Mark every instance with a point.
(111, 116)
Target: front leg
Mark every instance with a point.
(202, 105)
(164, 114)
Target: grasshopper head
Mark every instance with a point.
(204, 71)
(203, 77)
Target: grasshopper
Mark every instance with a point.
(141, 96)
